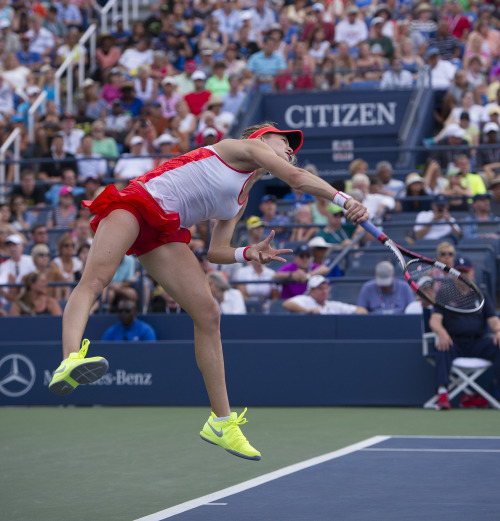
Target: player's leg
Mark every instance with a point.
(114, 236)
(175, 267)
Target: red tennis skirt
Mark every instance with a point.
(156, 226)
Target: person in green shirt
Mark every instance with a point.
(336, 232)
(218, 83)
(102, 144)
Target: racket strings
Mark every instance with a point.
(443, 288)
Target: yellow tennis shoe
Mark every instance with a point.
(227, 434)
(76, 370)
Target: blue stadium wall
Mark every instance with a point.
(278, 360)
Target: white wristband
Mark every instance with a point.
(239, 254)
(340, 198)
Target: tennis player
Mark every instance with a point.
(151, 217)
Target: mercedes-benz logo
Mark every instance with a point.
(20, 378)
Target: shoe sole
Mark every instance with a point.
(234, 453)
(85, 373)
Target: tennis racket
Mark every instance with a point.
(443, 287)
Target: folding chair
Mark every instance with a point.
(463, 375)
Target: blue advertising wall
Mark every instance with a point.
(336, 123)
(279, 360)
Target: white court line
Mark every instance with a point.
(189, 505)
(430, 450)
(447, 437)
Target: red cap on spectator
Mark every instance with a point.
(190, 66)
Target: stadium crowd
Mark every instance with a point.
(176, 81)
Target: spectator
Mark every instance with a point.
(369, 66)
(442, 72)
(33, 299)
(96, 107)
(448, 45)
(422, 306)
(262, 16)
(69, 14)
(170, 97)
(122, 284)
(464, 336)
(303, 221)
(228, 18)
(318, 45)
(11, 38)
(458, 195)
(130, 102)
(319, 21)
(380, 45)
(89, 163)
(230, 300)
(495, 193)
(34, 195)
(42, 41)
(197, 99)
(458, 24)
(396, 77)
(18, 76)
(112, 86)
(102, 144)
(273, 220)
(52, 24)
(184, 81)
(91, 185)
(64, 214)
(117, 123)
(222, 120)
(264, 291)
(4, 249)
(25, 57)
(137, 55)
(390, 186)
(6, 98)
(385, 295)
(21, 218)
(316, 302)
(489, 158)
(107, 55)
(437, 223)
(415, 187)
(71, 46)
(39, 235)
(67, 262)
(336, 233)
(15, 267)
(376, 204)
(294, 275)
(132, 165)
(233, 99)
(454, 137)
(423, 22)
(146, 89)
(72, 136)
(165, 145)
(120, 34)
(57, 161)
(129, 328)
(82, 233)
(474, 181)
(352, 29)
(267, 63)
(68, 179)
(234, 65)
(255, 231)
(218, 83)
(410, 60)
(319, 249)
(40, 253)
(155, 117)
(483, 223)
(162, 302)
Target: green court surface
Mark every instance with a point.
(123, 463)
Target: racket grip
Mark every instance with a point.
(372, 229)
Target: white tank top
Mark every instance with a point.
(198, 186)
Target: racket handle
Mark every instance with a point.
(372, 229)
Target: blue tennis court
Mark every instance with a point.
(389, 478)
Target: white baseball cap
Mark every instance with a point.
(198, 75)
(319, 242)
(14, 239)
(136, 140)
(490, 127)
(315, 281)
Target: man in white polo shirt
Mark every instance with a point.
(315, 301)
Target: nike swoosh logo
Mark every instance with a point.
(217, 433)
(60, 370)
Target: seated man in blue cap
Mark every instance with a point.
(437, 223)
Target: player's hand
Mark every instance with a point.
(444, 342)
(264, 253)
(355, 211)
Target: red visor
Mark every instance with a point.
(295, 137)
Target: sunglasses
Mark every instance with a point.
(68, 244)
(443, 253)
(126, 310)
(42, 255)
